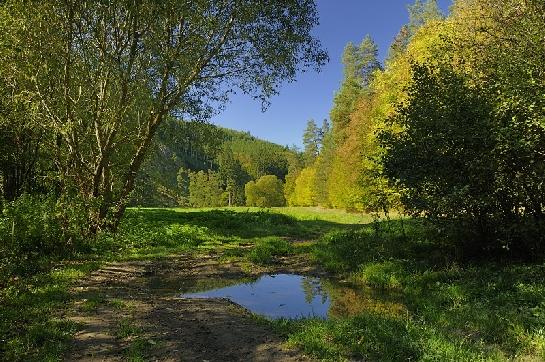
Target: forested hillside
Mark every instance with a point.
(199, 164)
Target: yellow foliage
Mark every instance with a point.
(305, 190)
(354, 181)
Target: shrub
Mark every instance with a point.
(267, 191)
(472, 166)
(386, 275)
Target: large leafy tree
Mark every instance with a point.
(267, 191)
(304, 193)
(442, 156)
(106, 74)
(205, 189)
(461, 161)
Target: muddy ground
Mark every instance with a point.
(131, 311)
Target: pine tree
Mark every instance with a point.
(419, 14)
(233, 176)
(324, 131)
(400, 43)
(360, 64)
(323, 165)
(311, 141)
(367, 61)
(182, 179)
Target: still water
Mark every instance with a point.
(297, 296)
(276, 296)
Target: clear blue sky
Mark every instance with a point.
(312, 94)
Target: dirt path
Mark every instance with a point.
(129, 311)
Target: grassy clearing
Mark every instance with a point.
(31, 326)
(422, 305)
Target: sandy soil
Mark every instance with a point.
(138, 313)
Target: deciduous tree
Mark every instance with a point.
(267, 191)
(106, 75)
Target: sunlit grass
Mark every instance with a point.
(437, 309)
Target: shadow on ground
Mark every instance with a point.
(244, 224)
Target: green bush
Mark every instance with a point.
(349, 251)
(367, 337)
(268, 249)
(469, 164)
(268, 191)
(346, 250)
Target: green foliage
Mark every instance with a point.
(289, 186)
(451, 129)
(443, 310)
(449, 125)
(235, 177)
(367, 337)
(382, 275)
(360, 65)
(179, 147)
(102, 94)
(36, 230)
(422, 12)
(344, 251)
(311, 142)
(259, 158)
(419, 304)
(268, 191)
(30, 326)
(205, 189)
(188, 147)
(323, 165)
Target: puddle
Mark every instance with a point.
(296, 296)
(276, 296)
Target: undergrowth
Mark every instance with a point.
(450, 310)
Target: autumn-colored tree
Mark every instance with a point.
(361, 68)
(295, 165)
(305, 189)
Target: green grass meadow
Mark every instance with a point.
(438, 308)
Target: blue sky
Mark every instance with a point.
(311, 96)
